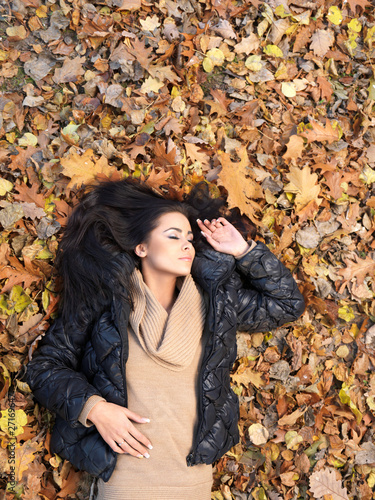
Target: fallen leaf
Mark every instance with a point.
(324, 482)
(321, 41)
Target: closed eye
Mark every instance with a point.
(177, 238)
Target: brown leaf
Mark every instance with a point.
(359, 268)
(70, 70)
(157, 179)
(294, 148)
(324, 482)
(321, 133)
(362, 4)
(292, 418)
(321, 41)
(304, 184)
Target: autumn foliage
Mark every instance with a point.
(272, 104)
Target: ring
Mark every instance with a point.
(120, 443)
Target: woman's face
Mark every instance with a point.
(169, 249)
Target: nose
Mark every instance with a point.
(187, 245)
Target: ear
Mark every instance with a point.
(141, 250)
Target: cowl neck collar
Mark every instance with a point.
(170, 340)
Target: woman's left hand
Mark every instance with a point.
(223, 236)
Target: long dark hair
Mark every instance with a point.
(96, 255)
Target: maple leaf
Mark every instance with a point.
(333, 181)
(304, 184)
(321, 133)
(324, 482)
(83, 169)
(193, 152)
(242, 190)
(157, 179)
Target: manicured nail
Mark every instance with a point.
(198, 220)
(139, 456)
(150, 447)
(146, 420)
(146, 455)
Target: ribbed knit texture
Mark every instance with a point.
(170, 343)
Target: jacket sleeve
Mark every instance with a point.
(53, 372)
(270, 296)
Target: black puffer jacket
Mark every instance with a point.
(255, 293)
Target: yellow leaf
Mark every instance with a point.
(334, 15)
(83, 169)
(151, 85)
(28, 139)
(280, 11)
(371, 89)
(5, 187)
(70, 132)
(304, 184)
(293, 440)
(288, 89)
(253, 63)
(13, 421)
(242, 190)
(355, 25)
(346, 313)
(214, 57)
(41, 11)
(273, 51)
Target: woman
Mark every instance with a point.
(138, 363)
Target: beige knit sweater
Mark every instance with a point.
(165, 353)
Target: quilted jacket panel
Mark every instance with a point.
(255, 293)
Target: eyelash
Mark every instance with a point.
(176, 238)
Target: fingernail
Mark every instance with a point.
(146, 455)
(146, 420)
(139, 456)
(150, 447)
(198, 220)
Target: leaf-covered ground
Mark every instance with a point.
(272, 103)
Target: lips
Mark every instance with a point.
(186, 258)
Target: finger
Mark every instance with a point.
(224, 222)
(140, 437)
(211, 241)
(135, 445)
(210, 225)
(131, 451)
(115, 447)
(135, 417)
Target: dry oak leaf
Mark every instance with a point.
(304, 184)
(324, 482)
(156, 179)
(294, 148)
(358, 269)
(70, 70)
(362, 4)
(321, 133)
(247, 45)
(25, 456)
(19, 274)
(242, 190)
(193, 152)
(321, 42)
(83, 169)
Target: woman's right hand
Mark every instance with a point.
(113, 422)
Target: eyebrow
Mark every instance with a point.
(177, 229)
